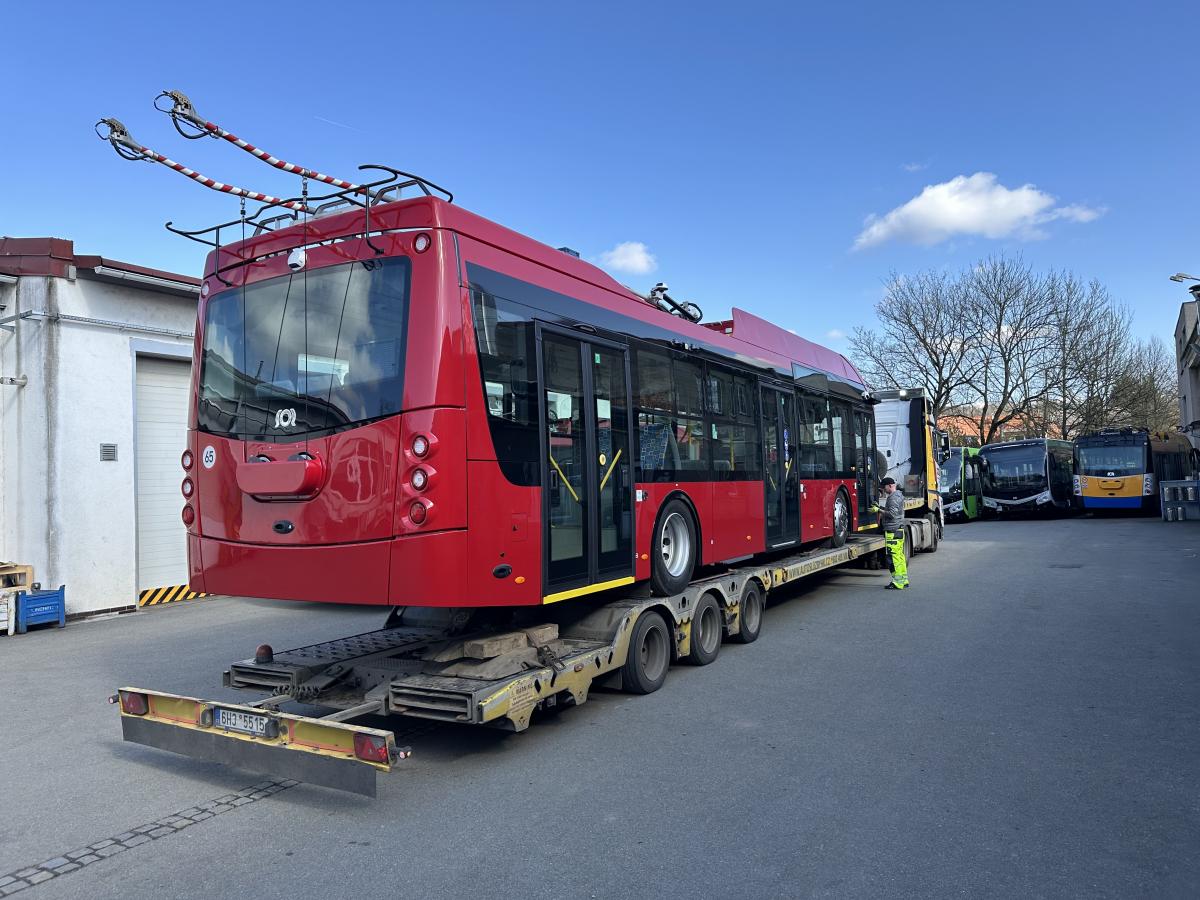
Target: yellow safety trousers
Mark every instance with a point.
(894, 543)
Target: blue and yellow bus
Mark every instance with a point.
(1119, 468)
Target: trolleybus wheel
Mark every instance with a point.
(649, 657)
(706, 631)
(841, 520)
(673, 550)
(751, 613)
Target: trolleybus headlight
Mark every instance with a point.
(187, 487)
(419, 479)
(420, 445)
(134, 704)
(417, 512)
(421, 243)
(370, 748)
(189, 515)
(186, 460)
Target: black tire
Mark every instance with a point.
(673, 549)
(750, 617)
(908, 543)
(707, 631)
(841, 519)
(649, 657)
(932, 519)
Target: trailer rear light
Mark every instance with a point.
(186, 460)
(420, 446)
(189, 515)
(134, 704)
(417, 512)
(421, 243)
(187, 487)
(370, 748)
(419, 479)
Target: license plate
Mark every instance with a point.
(243, 722)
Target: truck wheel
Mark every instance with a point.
(933, 530)
(751, 615)
(908, 543)
(706, 631)
(673, 550)
(649, 657)
(841, 520)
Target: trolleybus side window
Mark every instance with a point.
(816, 440)
(736, 449)
(670, 423)
(504, 336)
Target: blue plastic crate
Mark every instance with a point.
(41, 608)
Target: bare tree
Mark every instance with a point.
(1145, 393)
(922, 337)
(1090, 349)
(1012, 311)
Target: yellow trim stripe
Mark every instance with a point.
(590, 589)
(169, 594)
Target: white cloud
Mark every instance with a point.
(970, 205)
(835, 334)
(914, 167)
(633, 257)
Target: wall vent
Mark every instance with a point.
(108, 452)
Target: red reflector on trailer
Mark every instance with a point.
(416, 512)
(370, 748)
(189, 515)
(134, 704)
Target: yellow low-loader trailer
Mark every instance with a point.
(492, 667)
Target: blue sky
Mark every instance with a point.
(745, 147)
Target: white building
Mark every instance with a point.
(95, 362)
(1187, 355)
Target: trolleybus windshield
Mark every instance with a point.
(1112, 461)
(305, 354)
(1017, 468)
(948, 476)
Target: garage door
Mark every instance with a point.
(162, 414)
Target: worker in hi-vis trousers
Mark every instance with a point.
(892, 524)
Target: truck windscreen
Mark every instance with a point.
(305, 354)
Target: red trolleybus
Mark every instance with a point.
(408, 404)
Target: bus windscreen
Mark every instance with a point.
(1112, 461)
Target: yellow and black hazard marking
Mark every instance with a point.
(169, 594)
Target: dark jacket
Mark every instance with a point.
(893, 512)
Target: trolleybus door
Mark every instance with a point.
(780, 476)
(864, 468)
(587, 472)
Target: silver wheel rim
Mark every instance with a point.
(675, 545)
(841, 516)
(751, 613)
(709, 629)
(653, 653)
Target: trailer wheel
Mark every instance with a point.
(932, 519)
(673, 551)
(752, 613)
(706, 632)
(649, 657)
(841, 519)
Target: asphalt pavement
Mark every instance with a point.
(1023, 722)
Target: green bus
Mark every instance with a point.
(961, 484)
